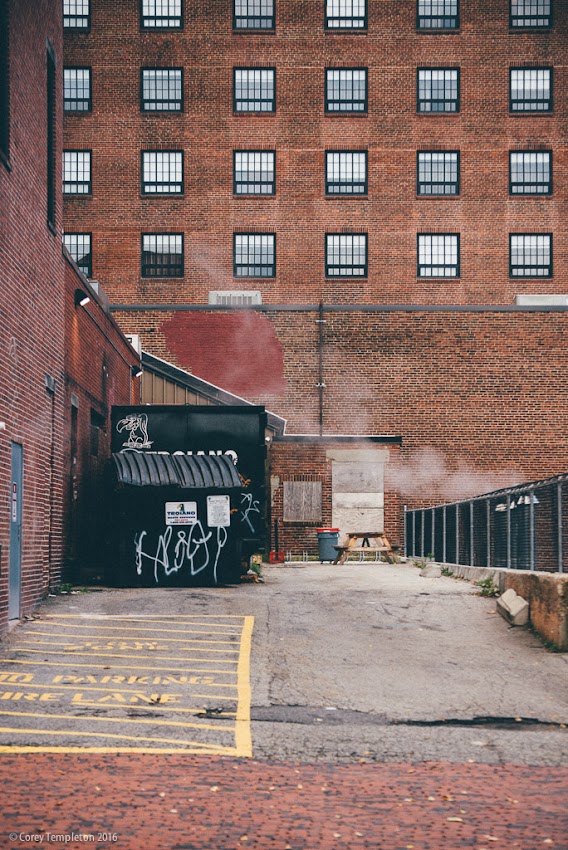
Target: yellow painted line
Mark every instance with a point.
(127, 638)
(142, 706)
(155, 670)
(214, 696)
(127, 720)
(82, 654)
(194, 751)
(162, 622)
(142, 617)
(243, 739)
(216, 748)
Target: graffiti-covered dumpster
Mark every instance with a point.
(175, 520)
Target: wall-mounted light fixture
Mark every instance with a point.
(81, 298)
(136, 371)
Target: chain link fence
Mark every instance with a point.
(518, 528)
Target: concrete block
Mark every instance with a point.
(431, 571)
(513, 608)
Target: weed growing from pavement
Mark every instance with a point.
(487, 587)
(446, 571)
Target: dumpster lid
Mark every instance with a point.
(188, 471)
(327, 529)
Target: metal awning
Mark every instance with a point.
(192, 472)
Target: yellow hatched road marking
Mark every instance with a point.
(179, 670)
(127, 720)
(216, 748)
(150, 640)
(81, 654)
(243, 739)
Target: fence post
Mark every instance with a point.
(471, 529)
(488, 511)
(508, 531)
(433, 512)
(444, 534)
(457, 533)
(531, 531)
(413, 533)
(559, 529)
(405, 533)
(422, 533)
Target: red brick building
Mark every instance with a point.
(52, 349)
(403, 162)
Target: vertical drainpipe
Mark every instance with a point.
(559, 527)
(321, 385)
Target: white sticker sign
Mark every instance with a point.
(181, 513)
(218, 511)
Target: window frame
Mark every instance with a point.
(328, 182)
(67, 30)
(5, 56)
(531, 194)
(89, 183)
(536, 68)
(349, 112)
(437, 30)
(145, 28)
(455, 276)
(531, 276)
(144, 183)
(88, 273)
(146, 266)
(273, 182)
(536, 28)
(89, 99)
(352, 234)
(250, 233)
(161, 111)
(244, 30)
(455, 194)
(438, 111)
(254, 111)
(349, 29)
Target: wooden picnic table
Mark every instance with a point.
(371, 541)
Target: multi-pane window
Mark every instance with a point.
(76, 172)
(530, 172)
(346, 255)
(346, 172)
(254, 254)
(346, 14)
(254, 89)
(438, 172)
(254, 173)
(438, 90)
(162, 255)
(162, 89)
(4, 79)
(438, 255)
(531, 13)
(77, 89)
(530, 255)
(79, 246)
(346, 90)
(531, 90)
(161, 14)
(253, 14)
(76, 14)
(162, 172)
(438, 14)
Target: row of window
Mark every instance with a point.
(254, 254)
(339, 15)
(346, 172)
(254, 90)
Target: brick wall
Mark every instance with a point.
(300, 132)
(98, 362)
(31, 309)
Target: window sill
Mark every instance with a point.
(444, 31)
(357, 114)
(440, 197)
(245, 31)
(337, 197)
